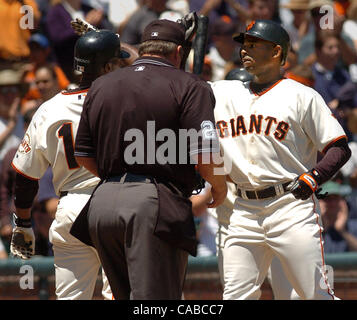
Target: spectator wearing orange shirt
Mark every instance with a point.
(14, 37)
(40, 56)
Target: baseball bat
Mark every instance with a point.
(200, 44)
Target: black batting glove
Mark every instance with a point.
(189, 21)
(304, 185)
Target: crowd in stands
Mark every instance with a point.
(36, 63)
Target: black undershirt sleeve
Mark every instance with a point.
(25, 191)
(335, 157)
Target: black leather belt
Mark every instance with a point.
(262, 193)
(130, 177)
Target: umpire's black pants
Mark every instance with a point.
(122, 216)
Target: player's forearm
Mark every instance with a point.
(200, 202)
(210, 171)
(89, 163)
(335, 157)
(25, 193)
(214, 174)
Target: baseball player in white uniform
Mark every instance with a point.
(271, 130)
(49, 140)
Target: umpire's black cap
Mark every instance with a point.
(164, 30)
(267, 30)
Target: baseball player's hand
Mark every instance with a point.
(303, 186)
(189, 21)
(23, 239)
(81, 27)
(218, 196)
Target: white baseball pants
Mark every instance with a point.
(283, 227)
(76, 264)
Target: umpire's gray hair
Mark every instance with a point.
(157, 47)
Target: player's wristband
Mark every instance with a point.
(23, 223)
(309, 180)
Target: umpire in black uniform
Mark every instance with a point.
(130, 135)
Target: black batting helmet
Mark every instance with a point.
(95, 48)
(239, 74)
(267, 30)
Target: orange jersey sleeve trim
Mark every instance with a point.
(74, 92)
(20, 172)
(332, 142)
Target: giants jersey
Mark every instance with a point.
(49, 141)
(274, 136)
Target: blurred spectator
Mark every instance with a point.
(349, 170)
(206, 224)
(47, 82)
(300, 24)
(341, 6)
(264, 9)
(214, 9)
(206, 73)
(306, 51)
(176, 9)
(207, 230)
(329, 76)
(61, 34)
(14, 37)
(350, 25)
(224, 50)
(180, 6)
(40, 55)
(256, 9)
(3, 251)
(120, 12)
(301, 73)
(11, 122)
(150, 11)
(45, 201)
(43, 7)
(340, 232)
(291, 61)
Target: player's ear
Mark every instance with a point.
(108, 67)
(277, 52)
(179, 51)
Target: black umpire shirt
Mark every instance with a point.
(137, 120)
